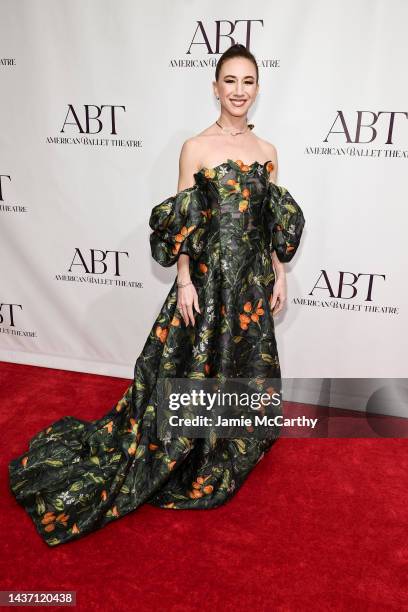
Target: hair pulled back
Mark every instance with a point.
(236, 50)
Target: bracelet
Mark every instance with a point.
(184, 284)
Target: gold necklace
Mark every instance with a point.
(234, 131)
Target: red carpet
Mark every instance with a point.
(320, 524)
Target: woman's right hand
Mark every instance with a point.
(187, 298)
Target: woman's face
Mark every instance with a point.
(236, 86)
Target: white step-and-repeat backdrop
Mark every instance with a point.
(97, 98)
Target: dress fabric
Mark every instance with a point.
(77, 476)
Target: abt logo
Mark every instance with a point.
(91, 119)
(346, 285)
(365, 121)
(97, 261)
(7, 313)
(224, 29)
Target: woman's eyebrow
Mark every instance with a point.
(249, 76)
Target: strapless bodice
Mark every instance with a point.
(233, 210)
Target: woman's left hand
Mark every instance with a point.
(278, 297)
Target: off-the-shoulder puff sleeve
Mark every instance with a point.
(179, 225)
(284, 221)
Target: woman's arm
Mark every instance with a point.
(186, 296)
(278, 297)
(278, 266)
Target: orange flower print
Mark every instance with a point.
(176, 248)
(199, 489)
(203, 268)
(24, 461)
(109, 426)
(161, 333)
(209, 173)
(255, 313)
(243, 167)
(49, 520)
(62, 518)
(134, 429)
(269, 166)
(184, 232)
(49, 517)
(171, 464)
(175, 321)
(121, 403)
(243, 205)
(245, 193)
(133, 424)
(259, 309)
(244, 321)
(194, 493)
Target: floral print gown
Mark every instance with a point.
(77, 475)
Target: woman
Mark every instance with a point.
(236, 86)
(230, 229)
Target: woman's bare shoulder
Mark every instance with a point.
(190, 160)
(271, 154)
(190, 153)
(193, 149)
(268, 147)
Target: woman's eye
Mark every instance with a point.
(246, 82)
